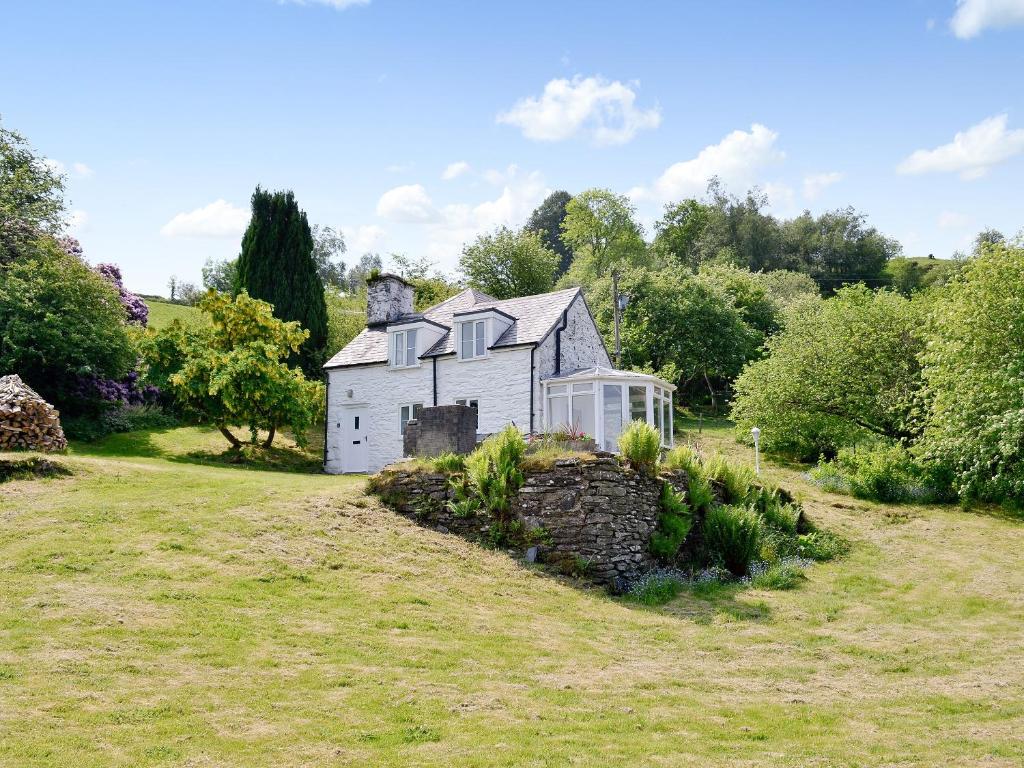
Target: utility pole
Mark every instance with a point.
(615, 304)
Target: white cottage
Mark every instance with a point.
(537, 362)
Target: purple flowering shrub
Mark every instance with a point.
(138, 312)
(124, 392)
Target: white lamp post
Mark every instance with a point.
(757, 449)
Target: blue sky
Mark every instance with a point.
(165, 116)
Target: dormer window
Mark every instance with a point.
(472, 339)
(403, 349)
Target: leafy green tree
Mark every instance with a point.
(346, 317)
(361, 270)
(679, 233)
(219, 276)
(428, 289)
(688, 331)
(786, 287)
(506, 264)
(838, 248)
(974, 369)
(60, 320)
(547, 219)
(601, 227)
(31, 196)
(276, 265)
(985, 238)
(841, 370)
(748, 293)
(232, 371)
(328, 245)
(738, 232)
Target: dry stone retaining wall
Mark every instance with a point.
(590, 515)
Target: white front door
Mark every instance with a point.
(354, 431)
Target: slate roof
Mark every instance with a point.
(534, 317)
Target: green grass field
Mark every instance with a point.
(161, 608)
(163, 313)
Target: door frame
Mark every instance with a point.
(347, 434)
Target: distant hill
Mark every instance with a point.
(163, 313)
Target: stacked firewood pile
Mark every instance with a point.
(27, 422)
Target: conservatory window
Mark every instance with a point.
(583, 417)
(638, 403)
(472, 339)
(612, 416)
(403, 349)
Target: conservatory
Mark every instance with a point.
(602, 401)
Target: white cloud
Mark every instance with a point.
(363, 239)
(454, 170)
(781, 198)
(407, 203)
(971, 153)
(338, 4)
(605, 111)
(218, 219)
(952, 220)
(972, 17)
(79, 170)
(78, 221)
(735, 160)
(816, 183)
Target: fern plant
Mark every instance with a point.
(674, 523)
(733, 536)
(640, 443)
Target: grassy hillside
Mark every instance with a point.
(160, 609)
(163, 313)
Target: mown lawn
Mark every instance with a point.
(163, 313)
(158, 609)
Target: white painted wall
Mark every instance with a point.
(500, 381)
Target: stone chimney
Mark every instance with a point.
(388, 297)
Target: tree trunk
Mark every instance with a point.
(235, 442)
(270, 437)
(714, 402)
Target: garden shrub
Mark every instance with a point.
(448, 463)
(781, 517)
(640, 443)
(735, 480)
(882, 472)
(674, 523)
(493, 472)
(684, 457)
(732, 535)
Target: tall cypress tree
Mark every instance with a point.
(276, 265)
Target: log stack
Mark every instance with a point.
(27, 422)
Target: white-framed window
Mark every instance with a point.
(406, 413)
(471, 402)
(472, 339)
(575, 408)
(403, 349)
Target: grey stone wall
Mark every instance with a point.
(587, 515)
(441, 429)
